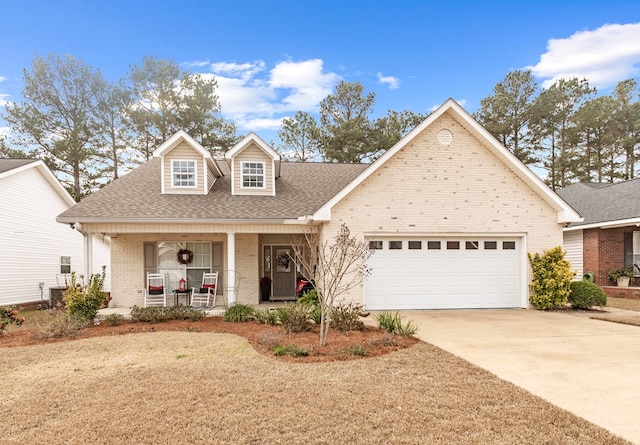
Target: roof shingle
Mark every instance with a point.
(301, 189)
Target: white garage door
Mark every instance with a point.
(444, 273)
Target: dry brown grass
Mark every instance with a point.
(213, 388)
(631, 318)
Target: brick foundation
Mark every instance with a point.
(622, 292)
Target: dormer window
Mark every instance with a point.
(253, 175)
(183, 173)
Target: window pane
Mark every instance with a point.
(184, 173)
(395, 245)
(471, 245)
(508, 245)
(453, 245)
(490, 245)
(253, 174)
(433, 245)
(417, 245)
(65, 264)
(192, 272)
(375, 245)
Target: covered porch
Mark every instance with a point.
(254, 264)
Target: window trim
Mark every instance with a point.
(263, 175)
(174, 174)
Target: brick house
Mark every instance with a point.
(609, 235)
(449, 211)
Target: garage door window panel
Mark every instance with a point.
(433, 245)
(395, 245)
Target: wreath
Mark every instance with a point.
(181, 256)
(283, 260)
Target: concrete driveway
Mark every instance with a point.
(588, 367)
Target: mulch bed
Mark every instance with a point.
(340, 346)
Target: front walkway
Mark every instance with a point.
(588, 367)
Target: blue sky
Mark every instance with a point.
(272, 58)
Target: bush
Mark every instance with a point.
(585, 294)
(55, 324)
(181, 312)
(83, 303)
(160, 314)
(270, 339)
(294, 317)
(266, 316)
(239, 313)
(292, 350)
(9, 315)
(148, 314)
(357, 350)
(551, 283)
(311, 300)
(114, 319)
(346, 317)
(393, 324)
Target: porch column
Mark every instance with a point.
(231, 268)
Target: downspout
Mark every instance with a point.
(87, 250)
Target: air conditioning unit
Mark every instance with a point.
(55, 297)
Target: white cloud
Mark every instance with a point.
(4, 100)
(4, 131)
(605, 56)
(391, 81)
(196, 63)
(258, 99)
(2, 79)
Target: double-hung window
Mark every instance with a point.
(183, 173)
(253, 175)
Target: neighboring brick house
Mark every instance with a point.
(450, 213)
(609, 235)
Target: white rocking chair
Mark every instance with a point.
(206, 294)
(155, 293)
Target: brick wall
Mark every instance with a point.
(429, 189)
(603, 251)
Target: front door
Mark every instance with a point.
(283, 273)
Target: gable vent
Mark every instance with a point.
(445, 137)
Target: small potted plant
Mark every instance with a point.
(622, 276)
(265, 288)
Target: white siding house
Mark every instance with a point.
(36, 249)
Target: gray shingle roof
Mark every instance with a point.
(600, 203)
(10, 164)
(301, 189)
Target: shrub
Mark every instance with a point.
(55, 324)
(239, 313)
(346, 317)
(551, 283)
(266, 316)
(357, 350)
(292, 350)
(585, 294)
(270, 339)
(294, 317)
(160, 314)
(148, 314)
(83, 303)
(114, 319)
(181, 312)
(393, 324)
(309, 298)
(9, 315)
